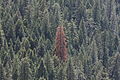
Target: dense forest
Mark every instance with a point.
(59, 39)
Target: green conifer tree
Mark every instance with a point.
(115, 70)
(19, 29)
(2, 73)
(70, 71)
(42, 71)
(50, 66)
(15, 68)
(25, 72)
(62, 73)
(104, 75)
(2, 37)
(105, 49)
(96, 11)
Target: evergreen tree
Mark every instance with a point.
(61, 74)
(19, 30)
(87, 68)
(17, 45)
(50, 67)
(41, 48)
(46, 24)
(42, 71)
(96, 12)
(80, 12)
(8, 70)
(25, 43)
(61, 44)
(94, 52)
(104, 75)
(70, 71)
(25, 72)
(2, 73)
(2, 37)
(82, 33)
(15, 68)
(115, 68)
(105, 50)
(57, 15)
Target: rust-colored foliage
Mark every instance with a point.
(61, 44)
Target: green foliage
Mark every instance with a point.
(15, 68)
(25, 72)
(27, 39)
(50, 67)
(1, 37)
(41, 71)
(61, 74)
(70, 71)
(96, 12)
(2, 73)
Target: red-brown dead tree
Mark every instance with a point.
(61, 44)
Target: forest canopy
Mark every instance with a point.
(59, 39)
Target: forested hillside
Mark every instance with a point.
(59, 39)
